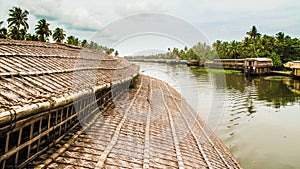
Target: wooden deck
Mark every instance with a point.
(65, 107)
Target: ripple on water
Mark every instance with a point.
(257, 113)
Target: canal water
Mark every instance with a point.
(257, 118)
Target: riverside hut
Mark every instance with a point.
(257, 66)
(295, 66)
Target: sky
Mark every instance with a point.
(124, 25)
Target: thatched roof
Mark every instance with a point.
(35, 72)
(292, 65)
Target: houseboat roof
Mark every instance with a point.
(36, 72)
(228, 59)
(292, 65)
(259, 59)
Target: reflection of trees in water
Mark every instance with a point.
(278, 92)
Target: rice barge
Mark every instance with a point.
(66, 107)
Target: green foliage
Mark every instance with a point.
(16, 34)
(109, 51)
(3, 31)
(83, 43)
(72, 40)
(59, 35)
(93, 45)
(31, 37)
(18, 26)
(116, 53)
(18, 17)
(42, 30)
(277, 63)
(280, 48)
(200, 52)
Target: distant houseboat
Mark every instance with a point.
(236, 64)
(295, 66)
(257, 66)
(193, 63)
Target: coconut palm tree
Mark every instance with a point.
(254, 35)
(59, 35)
(233, 50)
(14, 33)
(3, 31)
(83, 43)
(116, 53)
(71, 40)
(31, 37)
(42, 30)
(18, 18)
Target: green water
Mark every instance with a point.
(257, 118)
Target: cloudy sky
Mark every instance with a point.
(213, 19)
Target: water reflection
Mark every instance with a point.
(280, 92)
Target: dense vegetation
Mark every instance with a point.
(18, 30)
(200, 52)
(280, 48)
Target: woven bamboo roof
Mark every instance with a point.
(151, 126)
(292, 65)
(35, 72)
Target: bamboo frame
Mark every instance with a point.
(60, 116)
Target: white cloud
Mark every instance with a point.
(72, 18)
(80, 18)
(217, 19)
(138, 6)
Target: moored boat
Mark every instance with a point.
(193, 62)
(257, 66)
(295, 66)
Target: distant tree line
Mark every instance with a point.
(201, 52)
(18, 27)
(280, 48)
(168, 55)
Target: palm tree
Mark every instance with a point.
(116, 53)
(14, 33)
(71, 40)
(84, 43)
(3, 31)
(254, 35)
(110, 51)
(31, 37)
(232, 50)
(42, 30)
(18, 18)
(59, 35)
